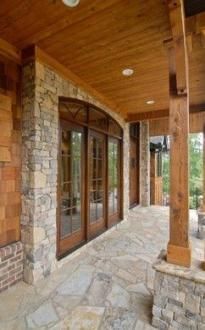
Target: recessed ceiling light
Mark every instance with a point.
(150, 102)
(127, 72)
(71, 3)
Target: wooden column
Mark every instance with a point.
(178, 251)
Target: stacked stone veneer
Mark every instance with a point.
(144, 164)
(11, 265)
(179, 298)
(42, 88)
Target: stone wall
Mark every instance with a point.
(179, 298)
(144, 164)
(42, 88)
(11, 265)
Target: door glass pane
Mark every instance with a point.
(98, 119)
(74, 111)
(114, 128)
(96, 164)
(71, 158)
(113, 175)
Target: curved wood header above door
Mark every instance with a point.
(87, 114)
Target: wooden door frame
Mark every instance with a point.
(97, 226)
(115, 217)
(74, 240)
(136, 139)
(88, 130)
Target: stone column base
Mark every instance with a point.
(179, 301)
(201, 225)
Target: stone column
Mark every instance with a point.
(41, 89)
(201, 212)
(39, 171)
(144, 164)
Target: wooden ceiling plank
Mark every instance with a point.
(41, 56)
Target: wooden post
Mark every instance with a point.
(178, 247)
(178, 251)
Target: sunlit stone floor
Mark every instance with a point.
(108, 285)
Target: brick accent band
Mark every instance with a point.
(11, 265)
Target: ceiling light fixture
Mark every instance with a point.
(127, 72)
(150, 102)
(71, 3)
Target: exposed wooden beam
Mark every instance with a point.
(178, 250)
(135, 117)
(34, 52)
(9, 51)
(195, 24)
(160, 126)
(158, 114)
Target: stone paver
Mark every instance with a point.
(106, 286)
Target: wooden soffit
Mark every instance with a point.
(35, 53)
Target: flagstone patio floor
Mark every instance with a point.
(106, 285)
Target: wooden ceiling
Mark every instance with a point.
(98, 39)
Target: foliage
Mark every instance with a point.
(195, 169)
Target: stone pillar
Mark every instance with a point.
(144, 164)
(39, 172)
(41, 89)
(201, 211)
(178, 297)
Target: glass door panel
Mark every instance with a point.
(113, 180)
(71, 228)
(96, 183)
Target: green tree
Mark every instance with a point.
(195, 169)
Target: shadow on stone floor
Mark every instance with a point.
(107, 285)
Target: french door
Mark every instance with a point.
(97, 173)
(71, 223)
(89, 175)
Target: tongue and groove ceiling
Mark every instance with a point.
(98, 39)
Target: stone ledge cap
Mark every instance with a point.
(194, 273)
